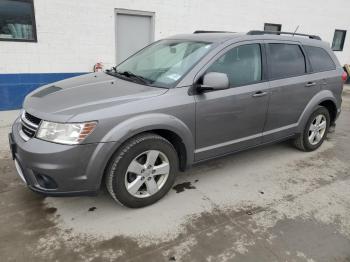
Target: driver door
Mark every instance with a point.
(233, 119)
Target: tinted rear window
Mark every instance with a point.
(286, 60)
(319, 59)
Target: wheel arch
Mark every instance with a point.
(178, 144)
(332, 109)
(324, 98)
(167, 126)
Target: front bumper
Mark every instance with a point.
(59, 170)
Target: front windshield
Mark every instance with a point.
(164, 62)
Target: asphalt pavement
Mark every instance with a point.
(272, 203)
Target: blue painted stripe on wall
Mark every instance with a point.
(14, 87)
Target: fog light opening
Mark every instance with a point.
(45, 181)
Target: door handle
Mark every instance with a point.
(259, 94)
(309, 84)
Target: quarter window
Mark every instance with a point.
(17, 22)
(285, 60)
(241, 64)
(338, 40)
(319, 59)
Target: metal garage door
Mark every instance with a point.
(135, 30)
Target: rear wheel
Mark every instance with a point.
(142, 171)
(315, 130)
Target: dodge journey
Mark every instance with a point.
(177, 102)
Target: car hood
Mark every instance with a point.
(60, 101)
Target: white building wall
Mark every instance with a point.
(73, 35)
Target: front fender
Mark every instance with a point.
(147, 122)
(314, 102)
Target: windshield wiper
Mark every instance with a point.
(131, 75)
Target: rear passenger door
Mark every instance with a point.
(290, 88)
(322, 67)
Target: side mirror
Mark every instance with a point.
(215, 81)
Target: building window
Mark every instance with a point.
(272, 27)
(17, 21)
(338, 40)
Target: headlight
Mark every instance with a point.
(65, 133)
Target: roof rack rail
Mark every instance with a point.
(205, 31)
(257, 32)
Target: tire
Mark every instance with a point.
(303, 140)
(139, 154)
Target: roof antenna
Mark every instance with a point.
(296, 29)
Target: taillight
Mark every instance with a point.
(344, 76)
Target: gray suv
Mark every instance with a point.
(179, 101)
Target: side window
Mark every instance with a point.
(319, 59)
(272, 27)
(338, 40)
(285, 60)
(241, 64)
(17, 21)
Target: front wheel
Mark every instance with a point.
(142, 171)
(315, 130)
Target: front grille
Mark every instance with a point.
(27, 131)
(32, 118)
(29, 124)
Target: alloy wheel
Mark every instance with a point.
(147, 173)
(317, 129)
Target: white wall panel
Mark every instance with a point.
(74, 35)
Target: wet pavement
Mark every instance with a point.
(272, 203)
